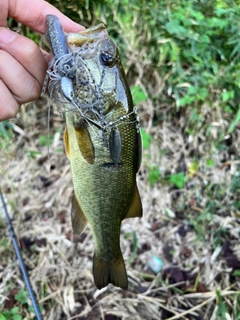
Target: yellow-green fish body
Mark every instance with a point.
(103, 144)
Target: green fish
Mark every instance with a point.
(102, 140)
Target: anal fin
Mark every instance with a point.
(79, 220)
(135, 209)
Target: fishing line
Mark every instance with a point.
(20, 259)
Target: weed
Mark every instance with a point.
(138, 95)
(45, 140)
(135, 248)
(12, 314)
(22, 296)
(153, 175)
(178, 179)
(146, 139)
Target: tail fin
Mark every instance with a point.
(105, 272)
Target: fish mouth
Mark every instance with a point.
(90, 35)
(90, 42)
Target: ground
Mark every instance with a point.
(191, 231)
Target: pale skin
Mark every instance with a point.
(23, 64)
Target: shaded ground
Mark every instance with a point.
(194, 230)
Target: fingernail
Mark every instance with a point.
(7, 36)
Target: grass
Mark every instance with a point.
(186, 226)
(189, 183)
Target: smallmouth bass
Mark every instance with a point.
(102, 140)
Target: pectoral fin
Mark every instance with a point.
(84, 142)
(135, 209)
(79, 221)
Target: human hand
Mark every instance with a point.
(23, 64)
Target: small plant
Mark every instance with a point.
(138, 95)
(12, 314)
(15, 313)
(134, 248)
(234, 122)
(6, 129)
(178, 179)
(33, 153)
(6, 134)
(45, 140)
(222, 312)
(22, 296)
(153, 175)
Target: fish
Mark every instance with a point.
(102, 140)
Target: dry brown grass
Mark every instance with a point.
(196, 271)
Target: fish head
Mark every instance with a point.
(100, 78)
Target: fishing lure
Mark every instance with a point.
(115, 145)
(61, 70)
(66, 86)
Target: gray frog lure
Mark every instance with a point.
(61, 69)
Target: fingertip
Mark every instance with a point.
(8, 105)
(8, 111)
(33, 91)
(7, 36)
(23, 58)
(33, 14)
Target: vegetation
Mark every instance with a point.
(182, 60)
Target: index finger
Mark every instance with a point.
(33, 13)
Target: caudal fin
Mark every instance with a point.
(105, 272)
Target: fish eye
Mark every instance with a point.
(107, 59)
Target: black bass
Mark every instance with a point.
(102, 140)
